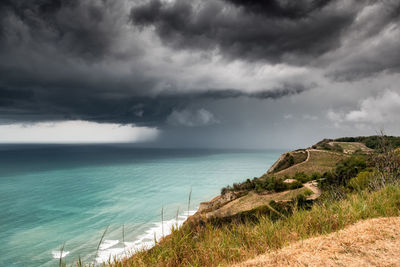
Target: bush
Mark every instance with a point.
(344, 171)
(226, 189)
(278, 185)
(302, 202)
(316, 176)
(301, 177)
(294, 185)
(361, 181)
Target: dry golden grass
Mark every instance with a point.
(373, 242)
(319, 161)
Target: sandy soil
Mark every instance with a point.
(374, 242)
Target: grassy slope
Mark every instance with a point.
(372, 242)
(320, 161)
(211, 245)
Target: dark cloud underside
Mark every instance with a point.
(78, 28)
(253, 30)
(281, 9)
(143, 110)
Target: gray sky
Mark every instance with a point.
(199, 73)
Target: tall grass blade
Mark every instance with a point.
(79, 261)
(61, 253)
(177, 217)
(123, 234)
(101, 240)
(162, 221)
(190, 196)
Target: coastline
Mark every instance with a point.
(116, 249)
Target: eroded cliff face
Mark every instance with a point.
(217, 202)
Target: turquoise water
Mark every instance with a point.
(55, 194)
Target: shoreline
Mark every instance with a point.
(116, 249)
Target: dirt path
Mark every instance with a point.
(313, 186)
(373, 242)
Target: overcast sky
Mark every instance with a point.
(198, 73)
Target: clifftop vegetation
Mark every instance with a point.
(373, 142)
(275, 211)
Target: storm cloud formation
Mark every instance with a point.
(255, 30)
(158, 62)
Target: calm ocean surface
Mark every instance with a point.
(55, 194)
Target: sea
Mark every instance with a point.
(101, 202)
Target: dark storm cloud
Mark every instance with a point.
(142, 110)
(285, 90)
(253, 30)
(98, 60)
(85, 29)
(62, 59)
(281, 9)
(10, 97)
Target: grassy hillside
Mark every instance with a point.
(217, 245)
(319, 162)
(355, 187)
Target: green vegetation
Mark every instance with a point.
(362, 181)
(373, 142)
(266, 183)
(344, 171)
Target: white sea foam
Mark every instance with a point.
(108, 244)
(57, 254)
(109, 250)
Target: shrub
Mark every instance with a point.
(279, 185)
(316, 176)
(361, 181)
(226, 189)
(301, 177)
(344, 171)
(294, 185)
